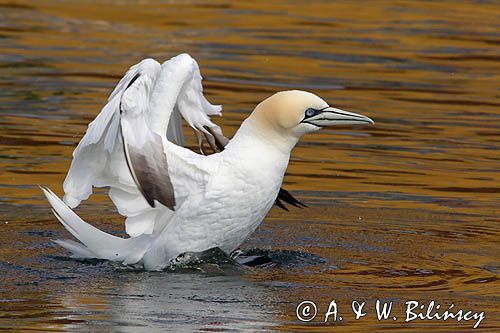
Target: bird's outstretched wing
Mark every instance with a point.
(98, 148)
(143, 148)
(125, 147)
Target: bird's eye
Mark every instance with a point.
(310, 112)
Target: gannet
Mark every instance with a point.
(176, 200)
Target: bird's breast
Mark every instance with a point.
(240, 190)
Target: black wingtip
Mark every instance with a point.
(280, 204)
(289, 199)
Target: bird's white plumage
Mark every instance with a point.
(175, 200)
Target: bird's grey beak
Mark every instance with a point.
(335, 117)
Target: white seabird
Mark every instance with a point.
(176, 200)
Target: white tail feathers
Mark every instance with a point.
(78, 250)
(95, 243)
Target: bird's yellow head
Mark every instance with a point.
(296, 112)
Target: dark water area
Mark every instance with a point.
(408, 209)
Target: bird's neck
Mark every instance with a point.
(256, 150)
(255, 134)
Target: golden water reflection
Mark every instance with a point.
(407, 209)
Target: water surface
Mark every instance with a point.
(405, 210)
